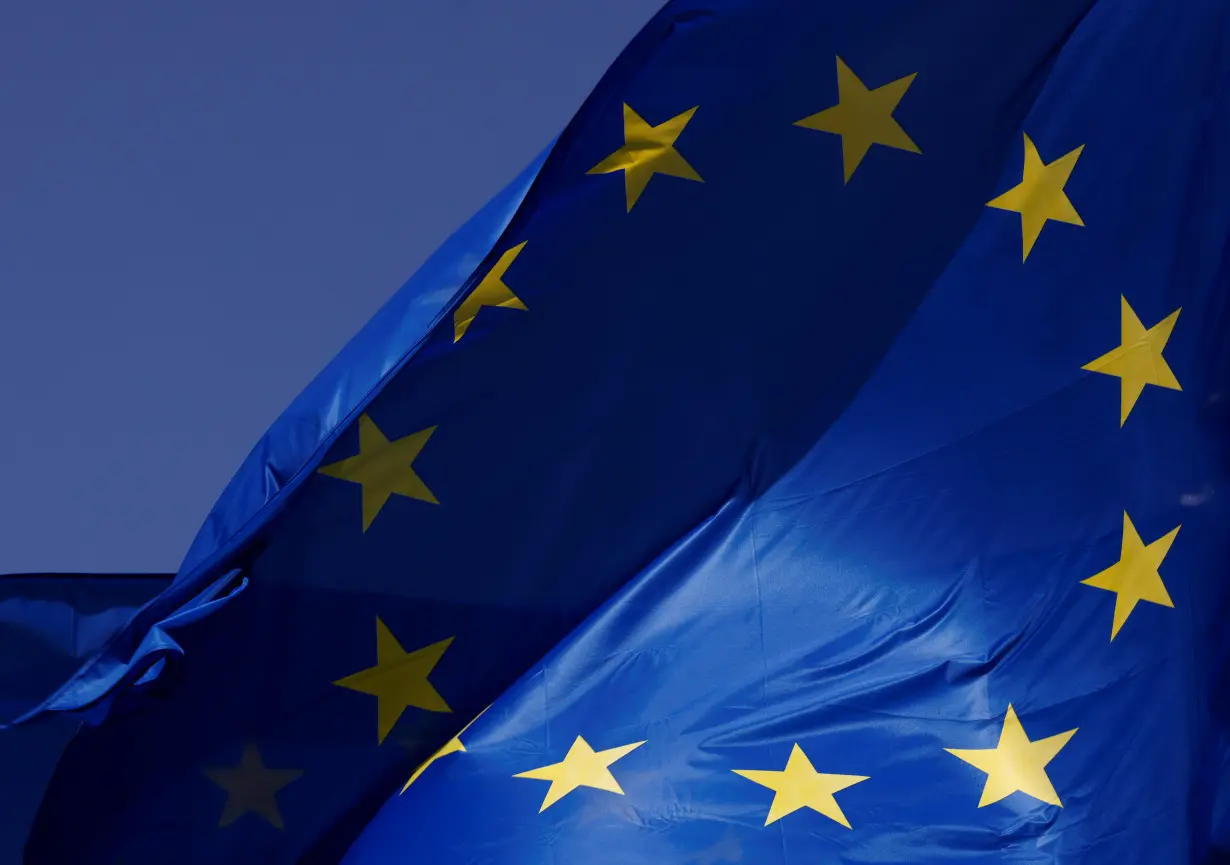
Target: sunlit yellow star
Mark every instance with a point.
(1137, 361)
(863, 117)
(1135, 578)
(251, 788)
(490, 292)
(1040, 196)
(799, 785)
(452, 746)
(648, 150)
(581, 767)
(383, 468)
(1016, 764)
(399, 679)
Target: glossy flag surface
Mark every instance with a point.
(818, 455)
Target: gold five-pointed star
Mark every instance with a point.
(251, 788)
(1016, 764)
(399, 679)
(863, 117)
(452, 746)
(383, 468)
(1138, 360)
(648, 150)
(490, 292)
(1135, 578)
(799, 785)
(581, 767)
(1040, 196)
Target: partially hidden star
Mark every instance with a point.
(490, 291)
(452, 746)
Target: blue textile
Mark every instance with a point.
(825, 462)
(50, 624)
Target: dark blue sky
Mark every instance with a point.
(200, 203)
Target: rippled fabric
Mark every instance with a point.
(285, 454)
(822, 465)
(50, 624)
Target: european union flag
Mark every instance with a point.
(49, 624)
(820, 455)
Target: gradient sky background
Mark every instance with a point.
(201, 203)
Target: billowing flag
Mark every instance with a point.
(819, 456)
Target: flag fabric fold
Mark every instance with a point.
(50, 624)
(822, 458)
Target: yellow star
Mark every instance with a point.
(863, 117)
(490, 292)
(1016, 764)
(452, 746)
(1134, 578)
(399, 679)
(648, 150)
(581, 767)
(251, 788)
(1138, 360)
(1040, 196)
(799, 785)
(383, 467)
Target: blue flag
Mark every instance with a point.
(820, 455)
(49, 624)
